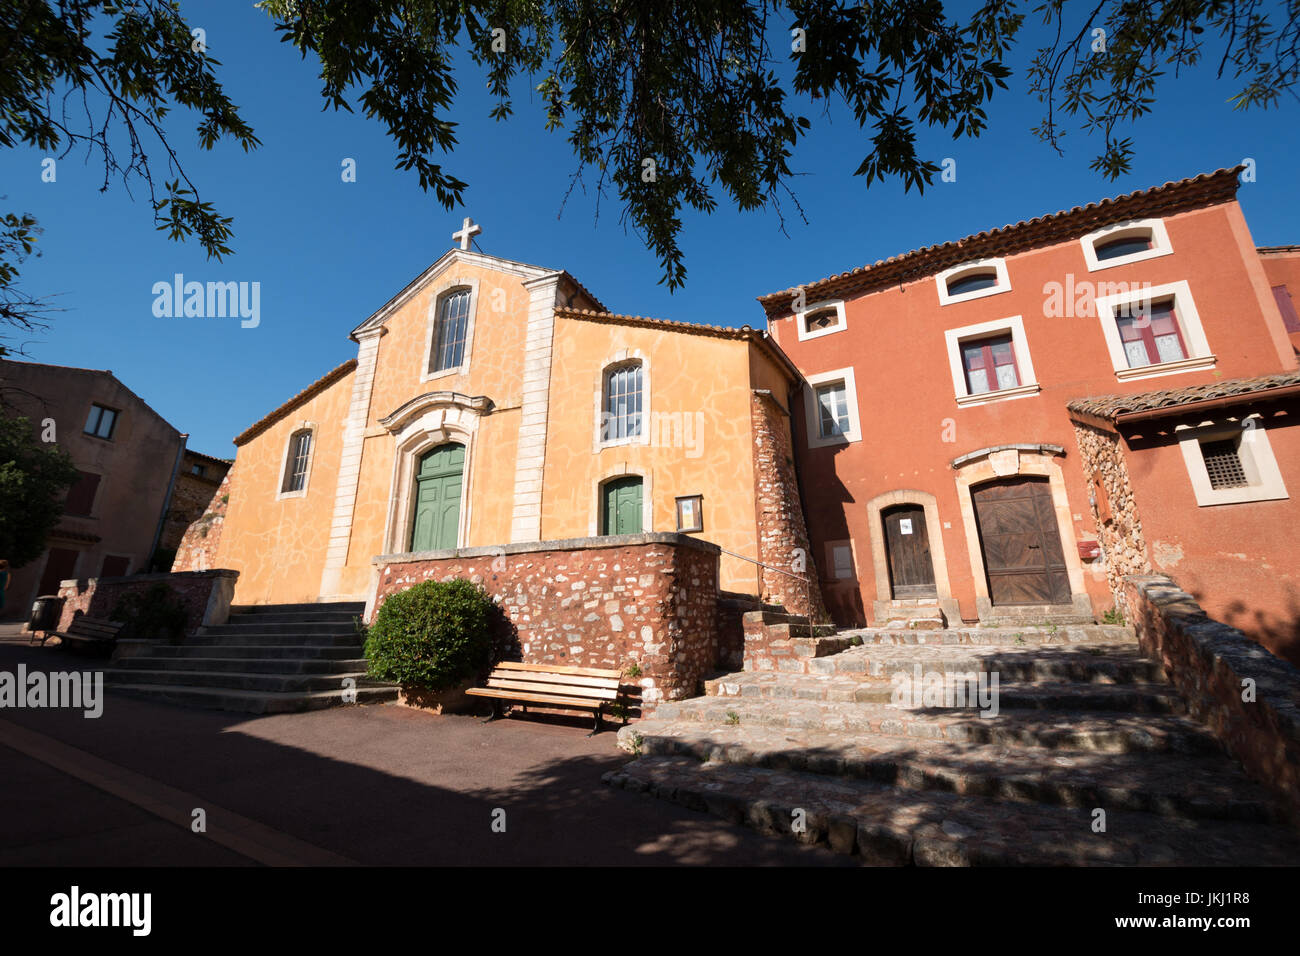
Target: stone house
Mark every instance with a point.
(957, 426)
(129, 457)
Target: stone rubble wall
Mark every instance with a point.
(1123, 548)
(782, 532)
(1248, 698)
(198, 547)
(648, 599)
(205, 595)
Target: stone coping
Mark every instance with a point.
(1033, 448)
(163, 576)
(674, 538)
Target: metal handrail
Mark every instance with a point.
(806, 578)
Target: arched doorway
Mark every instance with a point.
(621, 506)
(1020, 542)
(907, 550)
(438, 480)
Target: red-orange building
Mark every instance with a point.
(945, 471)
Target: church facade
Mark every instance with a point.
(495, 403)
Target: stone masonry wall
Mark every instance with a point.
(198, 548)
(782, 533)
(191, 500)
(1124, 550)
(649, 599)
(205, 595)
(1249, 698)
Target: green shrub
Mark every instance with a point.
(152, 614)
(434, 635)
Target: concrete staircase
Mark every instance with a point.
(267, 659)
(827, 752)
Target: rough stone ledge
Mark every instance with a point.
(161, 576)
(560, 544)
(1207, 661)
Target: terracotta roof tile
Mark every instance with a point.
(1110, 407)
(1205, 189)
(311, 391)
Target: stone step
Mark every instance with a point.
(786, 632)
(258, 651)
(1183, 785)
(337, 607)
(304, 617)
(256, 625)
(1036, 695)
(1095, 663)
(340, 639)
(253, 702)
(1103, 731)
(892, 826)
(228, 680)
(270, 665)
(1010, 636)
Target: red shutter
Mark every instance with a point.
(1287, 308)
(81, 496)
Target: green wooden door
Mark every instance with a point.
(622, 506)
(437, 498)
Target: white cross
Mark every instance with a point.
(468, 230)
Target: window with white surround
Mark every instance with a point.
(1125, 243)
(450, 332)
(990, 361)
(973, 280)
(831, 404)
(1153, 331)
(297, 463)
(840, 559)
(1231, 461)
(820, 319)
(621, 420)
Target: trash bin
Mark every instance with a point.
(46, 611)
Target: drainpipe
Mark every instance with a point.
(167, 500)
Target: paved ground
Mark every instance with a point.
(381, 785)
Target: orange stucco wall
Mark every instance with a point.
(704, 446)
(698, 430)
(1240, 561)
(277, 544)
(894, 339)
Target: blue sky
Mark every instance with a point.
(328, 253)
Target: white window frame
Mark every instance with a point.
(284, 462)
(614, 361)
(1153, 229)
(1189, 322)
(981, 265)
(801, 319)
(812, 416)
(1014, 324)
(1257, 461)
(449, 287)
(832, 570)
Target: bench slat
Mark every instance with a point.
(561, 669)
(536, 698)
(585, 692)
(606, 683)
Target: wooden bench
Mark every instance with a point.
(89, 634)
(552, 685)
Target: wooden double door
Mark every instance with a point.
(1021, 542)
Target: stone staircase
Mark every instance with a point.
(824, 751)
(267, 659)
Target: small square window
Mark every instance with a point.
(1151, 335)
(822, 320)
(101, 422)
(1223, 463)
(990, 364)
(842, 561)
